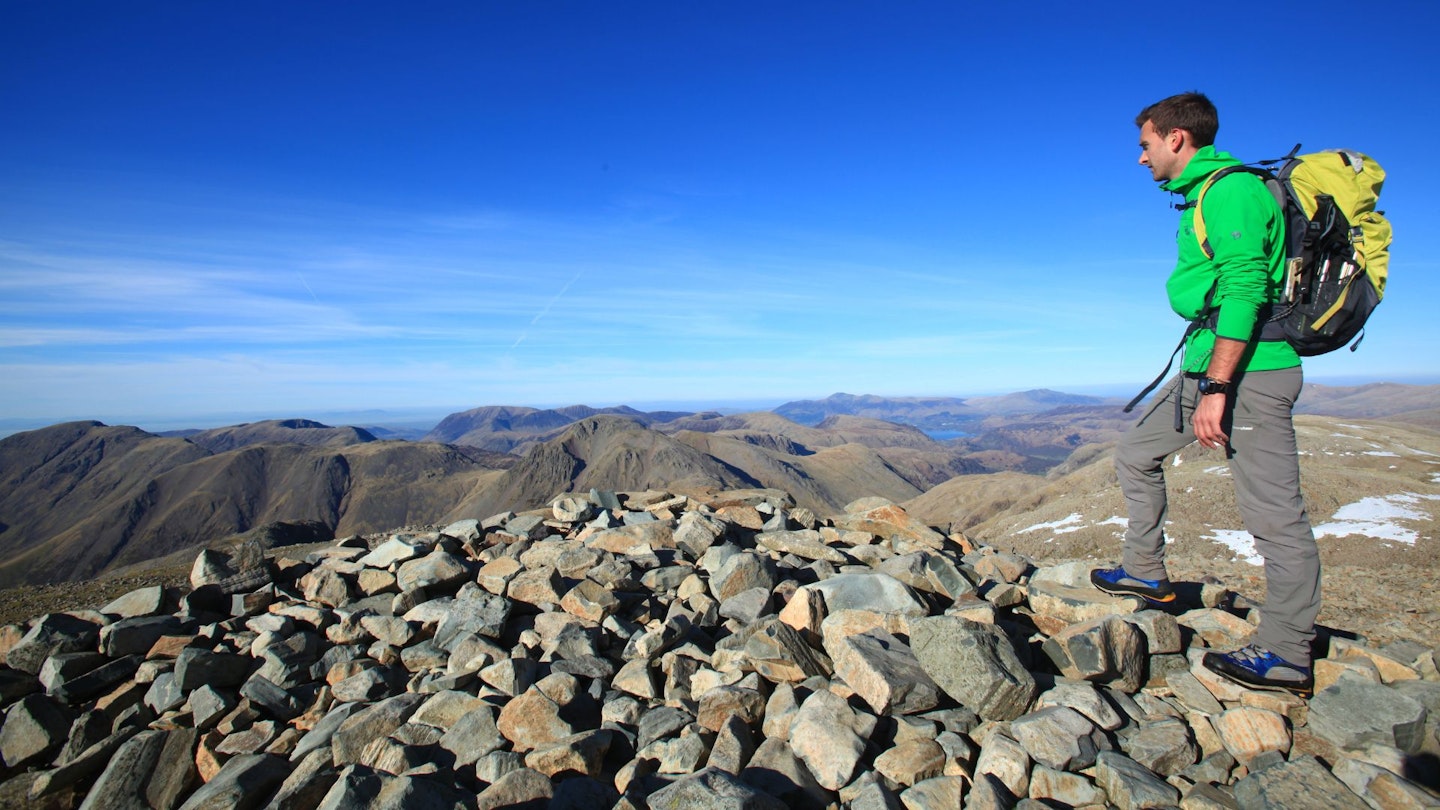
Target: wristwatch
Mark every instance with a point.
(1210, 385)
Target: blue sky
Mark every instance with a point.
(284, 209)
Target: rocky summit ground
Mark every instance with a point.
(652, 650)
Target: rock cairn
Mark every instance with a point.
(649, 650)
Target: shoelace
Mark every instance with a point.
(1260, 659)
(1250, 654)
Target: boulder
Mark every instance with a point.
(974, 664)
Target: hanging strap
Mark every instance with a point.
(1206, 311)
(1161, 378)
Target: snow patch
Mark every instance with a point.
(1120, 521)
(1376, 517)
(1218, 469)
(1381, 453)
(1240, 542)
(1061, 526)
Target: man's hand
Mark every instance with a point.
(1223, 362)
(1207, 421)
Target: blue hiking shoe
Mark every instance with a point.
(1259, 668)
(1116, 581)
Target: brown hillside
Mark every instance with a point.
(55, 477)
(279, 431)
(603, 452)
(506, 428)
(1372, 489)
(83, 498)
(823, 481)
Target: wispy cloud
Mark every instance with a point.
(380, 307)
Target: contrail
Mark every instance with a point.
(307, 286)
(542, 313)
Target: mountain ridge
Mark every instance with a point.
(81, 498)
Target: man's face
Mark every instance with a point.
(1157, 154)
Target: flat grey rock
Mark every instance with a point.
(1302, 782)
(1130, 785)
(244, 782)
(34, 728)
(122, 784)
(1059, 737)
(712, 789)
(884, 671)
(974, 664)
(1354, 713)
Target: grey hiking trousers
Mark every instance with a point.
(1265, 465)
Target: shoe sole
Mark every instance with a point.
(1299, 691)
(1159, 600)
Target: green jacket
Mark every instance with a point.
(1247, 234)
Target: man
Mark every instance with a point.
(1236, 392)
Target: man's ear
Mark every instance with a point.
(1176, 139)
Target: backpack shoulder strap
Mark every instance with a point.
(1200, 232)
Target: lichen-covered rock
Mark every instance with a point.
(974, 664)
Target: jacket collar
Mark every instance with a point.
(1204, 163)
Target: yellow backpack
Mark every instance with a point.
(1337, 246)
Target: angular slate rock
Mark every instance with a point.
(582, 793)
(308, 783)
(175, 773)
(582, 753)
(884, 671)
(974, 664)
(776, 771)
(319, 736)
(823, 736)
(1301, 782)
(377, 720)
(1059, 737)
(1381, 787)
(521, 789)
(244, 782)
(358, 786)
(742, 572)
(139, 602)
(1105, 650)
(34, 728)
(80, 769)
(912, 761)
(471, 611)
(51, 634)
(1352, 714)
(1130, 785)
(711, 789)
(936, 792)
(1004, 758)
(734, 745)
(779, 653)
(876, 592)
(1165, 746)
(196, 667)
(532, 719)
(122, 784)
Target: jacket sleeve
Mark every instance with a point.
(1238, 213)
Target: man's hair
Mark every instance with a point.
(1192, 112)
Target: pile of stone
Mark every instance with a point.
(649, 650)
